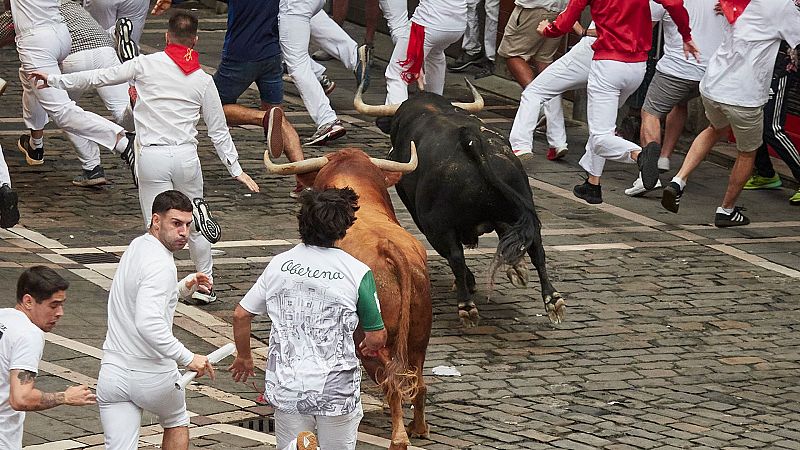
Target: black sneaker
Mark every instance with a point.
(204, 222)
(34, 156)
(129, 156)
(486, 69)
(328, 132)
(88, 178)
(203, 298)
(648, 164)
(592, 193)
(465, 60)
(9, 214)
(671, 197)
(362, 67)
(734, 219)
(126, 48)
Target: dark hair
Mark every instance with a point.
(183, 28)
(41, 283)
(325, 216)
(171, 199)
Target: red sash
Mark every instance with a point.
(732, 9)
(184, 57)
(415, 54)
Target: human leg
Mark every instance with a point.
(673, 128)
(332, 39)
(435, 64)
(396, 87)
(136, 11)
(396, 14)
(119, 416)
(775, 127)
(156, 393)
(339, 432)
(188, 178)
(492, 8)
(288, 426)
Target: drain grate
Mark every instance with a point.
(94, 258)
(264, 424)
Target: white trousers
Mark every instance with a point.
(161, 168)
(43, 49)
(5, 177)
(434, 68)
(330, 37)
(396, 14)
(472, 35)
(610, 84)
(123, 394)
(115, 98)
(106, 13)
(333, 432)
(569, 72)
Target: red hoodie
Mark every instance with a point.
(624, 29)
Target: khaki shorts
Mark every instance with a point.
(666, 91)
(521, 39)
(746, 122)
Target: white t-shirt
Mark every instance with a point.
(21, 347)
(441, 15)
(550, 5)
(707, 28)
(28, 14)
(740, 71)
(311, 296)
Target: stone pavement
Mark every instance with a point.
(677, 334)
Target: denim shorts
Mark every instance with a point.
(234, 77)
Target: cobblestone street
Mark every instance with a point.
(677, 334)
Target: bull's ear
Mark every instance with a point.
(391, 178)
(307, 179)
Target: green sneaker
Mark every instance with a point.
(759, 182)
(795, 199)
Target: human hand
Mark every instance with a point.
(161, 7)
(201, 365)
(38, 76)
(690, 48)
(718, 9)
(79, 396)
(542, 25)
(245, 179)
(241, 369)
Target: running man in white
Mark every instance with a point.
(472, 50)
(173, 92)
(41, 293)
(140, 354)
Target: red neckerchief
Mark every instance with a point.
(415, 54)
(732, 9)
(184, 57)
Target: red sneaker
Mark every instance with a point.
(554, 154)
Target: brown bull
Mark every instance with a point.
(399, 265)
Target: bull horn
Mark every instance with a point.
(394, 166)
(372, 110)
(477, 103)
(294, 168)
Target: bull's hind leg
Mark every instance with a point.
(419, 426)
(554, 303)
(399, 436)
(450, 248)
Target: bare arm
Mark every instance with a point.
(25, 397)
(242, 367)
(373, 341)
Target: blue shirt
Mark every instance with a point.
(252, 30)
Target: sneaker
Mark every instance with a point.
(327, 84)
(88, 178)
(204, 222)
(126, 48)
(592, 193)
(759, 182)
(3, 85)
(523, 154)
(321, 55)
(795, 199)
(295, 193)
(638, 188)
(129, 156)
(554, 154)
(671, 197)
(485, 70)
(133, 95)
(328, 132)
(9, 214)
(465, 60)
(734, 219)
(663, 164)
(362, 67)
(272, 123)
(34, 156)
(648, 164)
(306, 440)
(204, 298)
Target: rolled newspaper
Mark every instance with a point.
(213, 357)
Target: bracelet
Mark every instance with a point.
(585, 31)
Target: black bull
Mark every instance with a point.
(467, 183)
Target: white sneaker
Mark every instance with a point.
(638, 188)
(203, 298)
(523, 154)
(663, 164)
(3, 85)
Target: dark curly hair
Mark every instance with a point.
(325, 216)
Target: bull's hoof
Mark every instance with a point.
(518, 274)
(556, 307)
(418, 431)
(468, 314)
(400, 443)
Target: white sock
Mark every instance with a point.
(681, 183)
(663, 160)
(37, 143)
(721, 210)
(121, 145)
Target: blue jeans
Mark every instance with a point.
(233, 77)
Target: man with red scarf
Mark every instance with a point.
(173, 92)
(624, 36)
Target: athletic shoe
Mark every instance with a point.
(321, 55)
(362, 67)
(272, 123)
(671, 197)
(34, 156)
(638, 188)
(133, 95)
(204, 222)
(592, 193)
(554, 154)
(295, 193)
(663, 164)
(3, 85)
(327, 84)
(88, 178)
(9, 214)
(126, 48)
(465, 60)
(795, 199)
(203, 298)
(328, 132)
(484, 70)
(734, 219)
(523, 154)
(129, 156)
(759, 182)
(648, 164)
(306, 440)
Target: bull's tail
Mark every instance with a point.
(400, 380)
